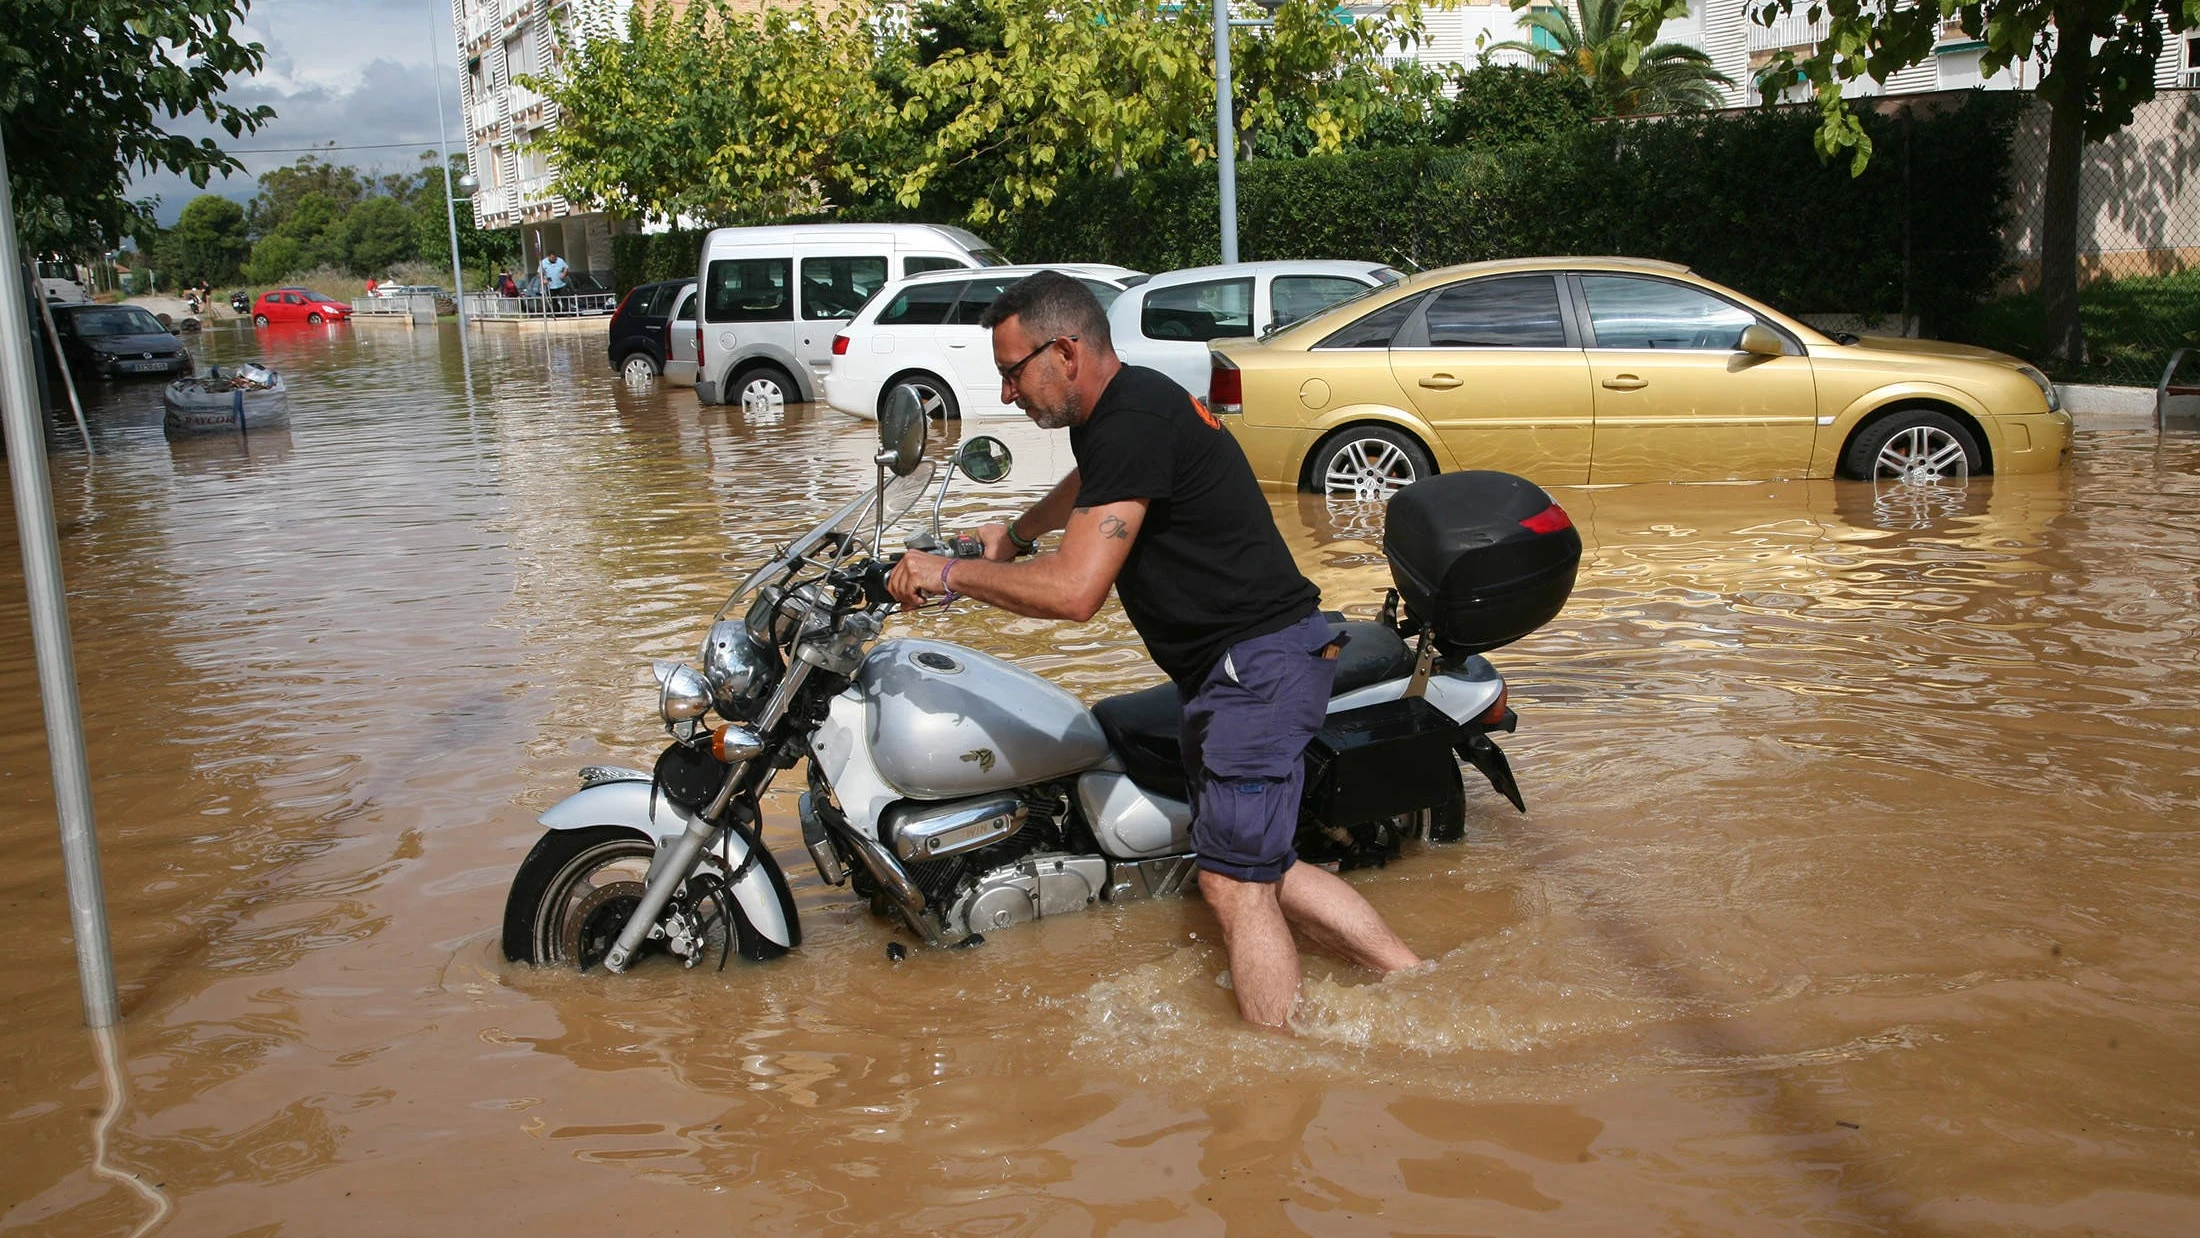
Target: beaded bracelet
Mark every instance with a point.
(947, 591)
(1024, 545)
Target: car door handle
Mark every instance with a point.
(1441, 382)
(1625, 382)
(962, 345)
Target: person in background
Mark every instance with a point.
(372, 284)
(553, 275)
(506, 285)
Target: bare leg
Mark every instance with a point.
(1323, 906)
(1264, 960)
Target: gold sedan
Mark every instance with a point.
(1591, 370)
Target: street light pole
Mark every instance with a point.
(49, 607)
(450, 189)
(1225, 132)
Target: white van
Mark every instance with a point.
(772, 298)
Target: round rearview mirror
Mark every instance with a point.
(901, 431)
(984, 458)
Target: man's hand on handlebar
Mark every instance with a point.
(998, 547)
(916, 579)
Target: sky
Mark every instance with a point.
(352, 72)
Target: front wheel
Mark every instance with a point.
(573, 894)
(313, 320)
(1915, 445)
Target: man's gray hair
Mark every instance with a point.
(1049, 303)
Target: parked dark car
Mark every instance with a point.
(118, 341)
(638, 341)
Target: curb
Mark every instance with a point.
(2108, 408)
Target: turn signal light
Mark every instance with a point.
(840, 345)
(1496, 712)
(1225, 388)
(735, 743)
(1550, 520)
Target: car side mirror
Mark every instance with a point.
(1760, 340)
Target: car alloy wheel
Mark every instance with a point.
(259, 320)
(638, 370)
(313, 320)
(1369, 464)
(933, 396)
(1921, 455)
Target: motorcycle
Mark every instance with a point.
(963, 795)
(240, 302)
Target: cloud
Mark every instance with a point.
(354, 73)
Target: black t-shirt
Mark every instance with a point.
(1208, 568)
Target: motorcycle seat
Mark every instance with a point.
(1145, 728)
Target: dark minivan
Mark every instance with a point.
(641, 343)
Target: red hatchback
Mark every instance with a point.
(297, 305)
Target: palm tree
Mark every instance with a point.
(1667, 77)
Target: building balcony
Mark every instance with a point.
(1788, 32)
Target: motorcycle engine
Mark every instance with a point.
(1023, 877)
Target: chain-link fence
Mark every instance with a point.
(2138, 243)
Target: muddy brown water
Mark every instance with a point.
(1855, 895)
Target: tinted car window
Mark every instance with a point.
(1374, 330)
(1516, 311)
(659, 300)
(687, 311)
(977, 295)
(120, 320)
(918, 264)
(922, 305)
(749, 290)
(1215, 310)
(1651, 313)
(1293, 297)
(835, 288)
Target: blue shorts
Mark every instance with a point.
(1245, 734)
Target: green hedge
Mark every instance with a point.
(1742, 197)
(645, 258)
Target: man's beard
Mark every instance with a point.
(1058, 417)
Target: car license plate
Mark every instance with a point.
(145, 367)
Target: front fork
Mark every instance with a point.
(701, 831)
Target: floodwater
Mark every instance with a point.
(1856, 893)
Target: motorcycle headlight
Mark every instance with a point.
(737, 669)
(683, 694)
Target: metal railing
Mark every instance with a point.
(487, 305)
(2171, 389)
(1795, 32)
(400, 306)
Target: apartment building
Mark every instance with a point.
(499, 42)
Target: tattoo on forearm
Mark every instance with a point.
(1113, 526)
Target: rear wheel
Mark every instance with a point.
(764, 389)
(933, 396)
(1368, 463)
(259, 320)
(639, 369)
(572, 895)
(1916, 445)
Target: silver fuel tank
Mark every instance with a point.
(945, 721)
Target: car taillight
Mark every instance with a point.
(840, 345)
(1225, 387)
(1550, 520)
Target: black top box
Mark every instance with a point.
(1482, 558)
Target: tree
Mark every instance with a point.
(2100, 57)
(379, 233)
(1500, 105)
(283, 189)
(208, 242)
(85, 88)
(481, 250)
(274, 258)
(1610, 49)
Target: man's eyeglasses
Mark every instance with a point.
(1009, 373)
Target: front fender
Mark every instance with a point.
(760, 897)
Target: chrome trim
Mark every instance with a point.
(1154, 878)
(895, 883)
(935, 831)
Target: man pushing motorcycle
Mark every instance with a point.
(1163, 507)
